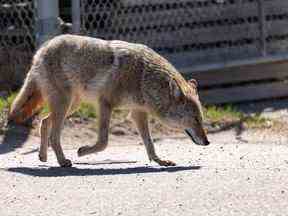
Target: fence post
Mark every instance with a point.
(76, 16)
(263, 27)
(48, 23)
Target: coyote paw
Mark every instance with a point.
(84, 150)
(165, 163)
(66, 163)
(42, 157)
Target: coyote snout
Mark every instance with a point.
(199, 140)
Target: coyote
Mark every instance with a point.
(69, 69)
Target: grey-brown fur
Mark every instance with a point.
(70, 69)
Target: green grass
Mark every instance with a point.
(221, 113)
(257, 121)
(45, 110)
(212, 114)
(2, 104)
(229, 113)
(86, 110)
(5, 103)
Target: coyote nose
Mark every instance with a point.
(207, 142)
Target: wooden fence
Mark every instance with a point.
(237, 49)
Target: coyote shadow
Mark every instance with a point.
(14, 137)
(73, 171)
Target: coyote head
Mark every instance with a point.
(185, 112)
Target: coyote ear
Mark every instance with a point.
(193, 82)
(175, 91)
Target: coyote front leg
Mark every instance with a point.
(57, 124)
(104, 121)
(141, 121)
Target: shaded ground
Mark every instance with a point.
(243, 172)
(230, 177)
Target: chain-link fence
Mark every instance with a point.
(192, 32)
(17, 39)
(17, 24)
(24, 25)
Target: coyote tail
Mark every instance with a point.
(28, 101)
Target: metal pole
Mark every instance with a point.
(48, 23)
(76, 17)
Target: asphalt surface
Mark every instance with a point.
(245, 175)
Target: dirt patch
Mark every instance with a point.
(78, 132)
(82, 131)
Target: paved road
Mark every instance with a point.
(247, 176)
